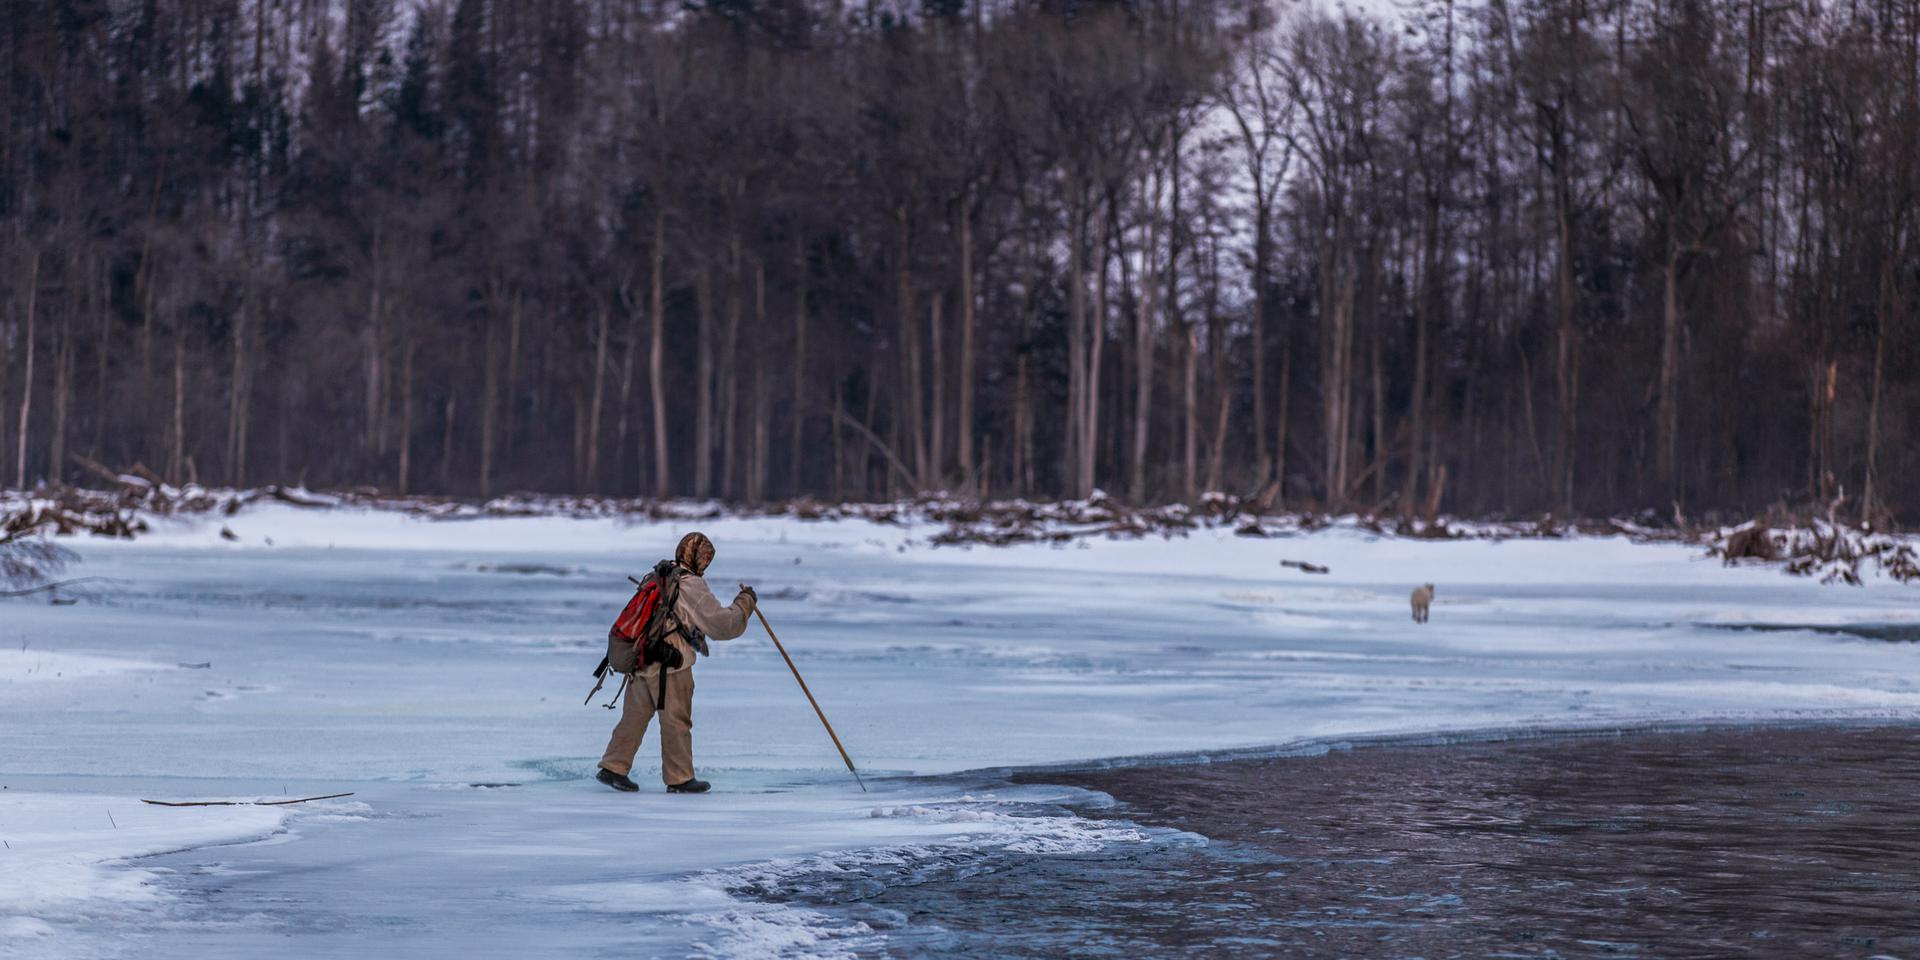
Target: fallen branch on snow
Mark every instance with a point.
(52, 586)
(242, 803)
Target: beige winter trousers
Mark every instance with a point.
(676, 727)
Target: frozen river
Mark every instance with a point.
(437, 669)
(1716, 843)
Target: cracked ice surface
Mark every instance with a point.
(409, 660)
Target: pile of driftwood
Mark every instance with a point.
(67, 512)
(1818, 547)
(1002, 522)
(120, 506)
(1811, 546)
(137, 491)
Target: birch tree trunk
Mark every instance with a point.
(370, 362)
(1667, 416)
(839, 446)
(1338, 300)
(1563, 358)
(729, 428)
(26, 388)
(1022, 428)
(1097, 325)
(143, 378)
(1258, 323)
(62, 387)
(964, 430)
(1378, 464)
(1170, 306)
(864, 470)
(1097, 342)
(450, 420)
(599, 395)
(404, 474)
(1330, 276)
(1143, 345)
(797, 440)
(489, 407)
(910, 408)
(177, 456)
(936, 442)
(237, 387)
(6, 395)
(1221, 385)
(1076, 341)
(757, 454)
(1882, 308)
(511, 400)
(1280, 440)
(655, 357)
(1348, 422)
(703, 391)
(1217, 448)
(1191, 406)
(625, 404)
(1426, 292)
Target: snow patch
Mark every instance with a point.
(24, 927)
(772, 932)
(62, 854)
(41, 666)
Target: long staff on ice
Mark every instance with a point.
(803, 689)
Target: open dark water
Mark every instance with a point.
(1737, 842)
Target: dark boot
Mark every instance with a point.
(691, 786)
(618, 781)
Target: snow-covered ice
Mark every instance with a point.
(436, 669)
(57, 845)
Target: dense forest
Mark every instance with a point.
(1577, 256)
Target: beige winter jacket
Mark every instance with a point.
(699, 607)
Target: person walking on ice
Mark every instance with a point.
(694, 616)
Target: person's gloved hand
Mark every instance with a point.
(753, 599)
(664, 653)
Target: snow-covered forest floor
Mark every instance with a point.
(436, 668)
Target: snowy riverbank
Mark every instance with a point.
(408, 658)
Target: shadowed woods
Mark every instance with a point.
(1589, 257)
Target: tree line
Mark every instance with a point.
(1576, 256)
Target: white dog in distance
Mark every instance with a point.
(1422, 599)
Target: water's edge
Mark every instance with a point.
(1696, 837)
(1309, 747)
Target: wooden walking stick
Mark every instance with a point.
(809, 693)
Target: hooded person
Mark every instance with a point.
(696, 616)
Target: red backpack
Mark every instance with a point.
(641, 627)
(633, 621)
